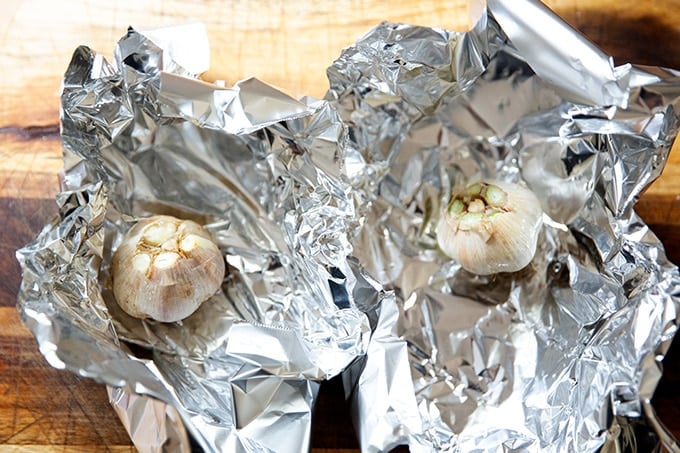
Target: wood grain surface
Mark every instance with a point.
(286, 43)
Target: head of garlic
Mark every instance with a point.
(491, 227)
(165, 268)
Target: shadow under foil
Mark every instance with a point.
(665, 397)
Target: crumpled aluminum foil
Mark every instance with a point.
(565, 354)
(265, 174)
(325, 214)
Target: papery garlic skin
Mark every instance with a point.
(165, 268)
(491, 227)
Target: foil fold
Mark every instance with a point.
(325, 211)
(153, 425)
(565, 354)
(265, 173)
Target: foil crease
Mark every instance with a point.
(565, 354)
(325, 212)
(153, 426)
(265, 173)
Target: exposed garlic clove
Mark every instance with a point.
(165, 268)
(491, 227)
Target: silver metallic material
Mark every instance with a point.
(153, 426)
(265, 174)
(325, 213)
(565, 354)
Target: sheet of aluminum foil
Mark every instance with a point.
(565, 354)
(265, 174)
(324, 211)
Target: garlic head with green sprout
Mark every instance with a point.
(491, 227)
(165, 268)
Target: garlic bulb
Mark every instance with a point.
(491, 227)
(165, 268)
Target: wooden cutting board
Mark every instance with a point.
(286, 43)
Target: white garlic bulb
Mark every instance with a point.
(165, 268)
(491, 227)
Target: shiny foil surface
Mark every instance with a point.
(265, 174)
(325, 212)
(565, 354)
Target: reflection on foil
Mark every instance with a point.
(563, 355)
(325, 213)
(265, 173)
(153, 425)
